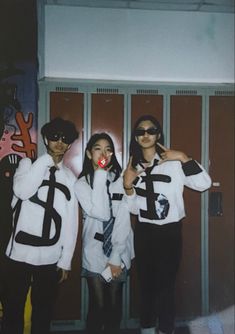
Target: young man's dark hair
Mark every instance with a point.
(59, 127)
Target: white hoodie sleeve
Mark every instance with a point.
(29, 176)
(196, 176)
(70, 232)
(131, 201)
(95, 202)
(120, 234)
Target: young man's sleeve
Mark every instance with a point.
(29, 176)
(69, 233)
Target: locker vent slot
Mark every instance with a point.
(185, 92)
(67, 89)
(107, 90)
(147, 91)
(225, 92)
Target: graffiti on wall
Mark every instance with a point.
(28, 147)
(16, 128)
(17, 140)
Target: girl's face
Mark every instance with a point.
(146, 134)
(100, 150)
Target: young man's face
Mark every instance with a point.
(57, 146)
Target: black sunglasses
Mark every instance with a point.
(141, 132)
(58, 136)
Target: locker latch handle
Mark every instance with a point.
(215, 204)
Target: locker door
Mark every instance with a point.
(142, 105)
(146, 105)
(221, 210)
(185, 135)
(107, 115)
(70, 106)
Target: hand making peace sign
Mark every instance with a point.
(169, 155)
(129, 175)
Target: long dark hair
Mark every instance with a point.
(135, 149)
(88, 169)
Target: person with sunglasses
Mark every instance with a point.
(44, 231)
(154, 181)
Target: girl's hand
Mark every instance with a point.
(115, 270)
(104, 162)
(63, 274)
(170, 155)
(129, 175)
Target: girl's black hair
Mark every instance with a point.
(88, 169)
(135, 149)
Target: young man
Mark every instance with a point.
(44, 233)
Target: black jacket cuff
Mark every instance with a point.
(191, 168)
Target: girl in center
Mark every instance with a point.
(107, 240)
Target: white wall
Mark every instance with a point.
(139, 45)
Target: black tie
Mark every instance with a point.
(108, 228)
(50, 200)
(148, 170)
